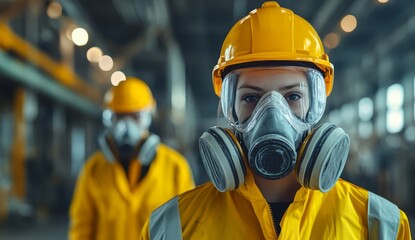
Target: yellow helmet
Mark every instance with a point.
(269, 35)
(131, 95)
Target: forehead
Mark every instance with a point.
(271, 78)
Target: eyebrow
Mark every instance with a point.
(296, 85)
(285, 88)
(250, 86)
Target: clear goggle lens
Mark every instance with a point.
(142, 118)
(298, 93)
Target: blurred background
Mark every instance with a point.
(57, 59)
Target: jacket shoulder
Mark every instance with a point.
(197, 198)
(94, 162)
(168, 153)
(383, 216)
(346, 189)
(163, 148)
(205, 198)
(201, 191)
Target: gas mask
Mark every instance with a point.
(128, 136)
(273, 131)
(272, 142)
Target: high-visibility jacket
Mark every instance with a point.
(109, 204)
(345, 212)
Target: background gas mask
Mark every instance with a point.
(130, 136)
(277, 136)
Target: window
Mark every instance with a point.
(394, 108)
(365, 113)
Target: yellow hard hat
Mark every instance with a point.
(272, 35)
(131, 95)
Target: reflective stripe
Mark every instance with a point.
(165, 221)
(383, 218)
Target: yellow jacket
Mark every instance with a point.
(109, 205)
(345, 212)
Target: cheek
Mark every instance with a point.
(306, 107)
(237, 107)
(302, 110)
(243, 111)
(238, 110)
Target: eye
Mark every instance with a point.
(292, 97)
(135, 117)
(250, 98)
(119, 116)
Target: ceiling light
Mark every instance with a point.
(332, 40)
(94, 54)
(54, 10)
(80, 36)
(105, 63)
(348, 23)
(117, 77)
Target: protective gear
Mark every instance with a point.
(128, 132)
(318, 165)
(126, 135)
(274, 36)
(128, 115)
(322, 157)
(107, 204)
(272, 130)
(272, 141)
(142, 118)
(314, 89)
(131, 95)
(345, 212)
(146, 149)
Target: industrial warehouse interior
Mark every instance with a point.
(58, 58)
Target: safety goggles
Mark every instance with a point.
(297, 92)
(142, 118)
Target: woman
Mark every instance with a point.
(275, 173)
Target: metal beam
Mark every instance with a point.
(31, 77)
(322, 17)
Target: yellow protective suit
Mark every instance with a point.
(109, 205)
(344, 212)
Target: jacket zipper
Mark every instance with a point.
(273, 221)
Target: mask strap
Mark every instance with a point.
(148, 149)
(104, 142)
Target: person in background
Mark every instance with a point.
(274, 169)
(132, 174)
